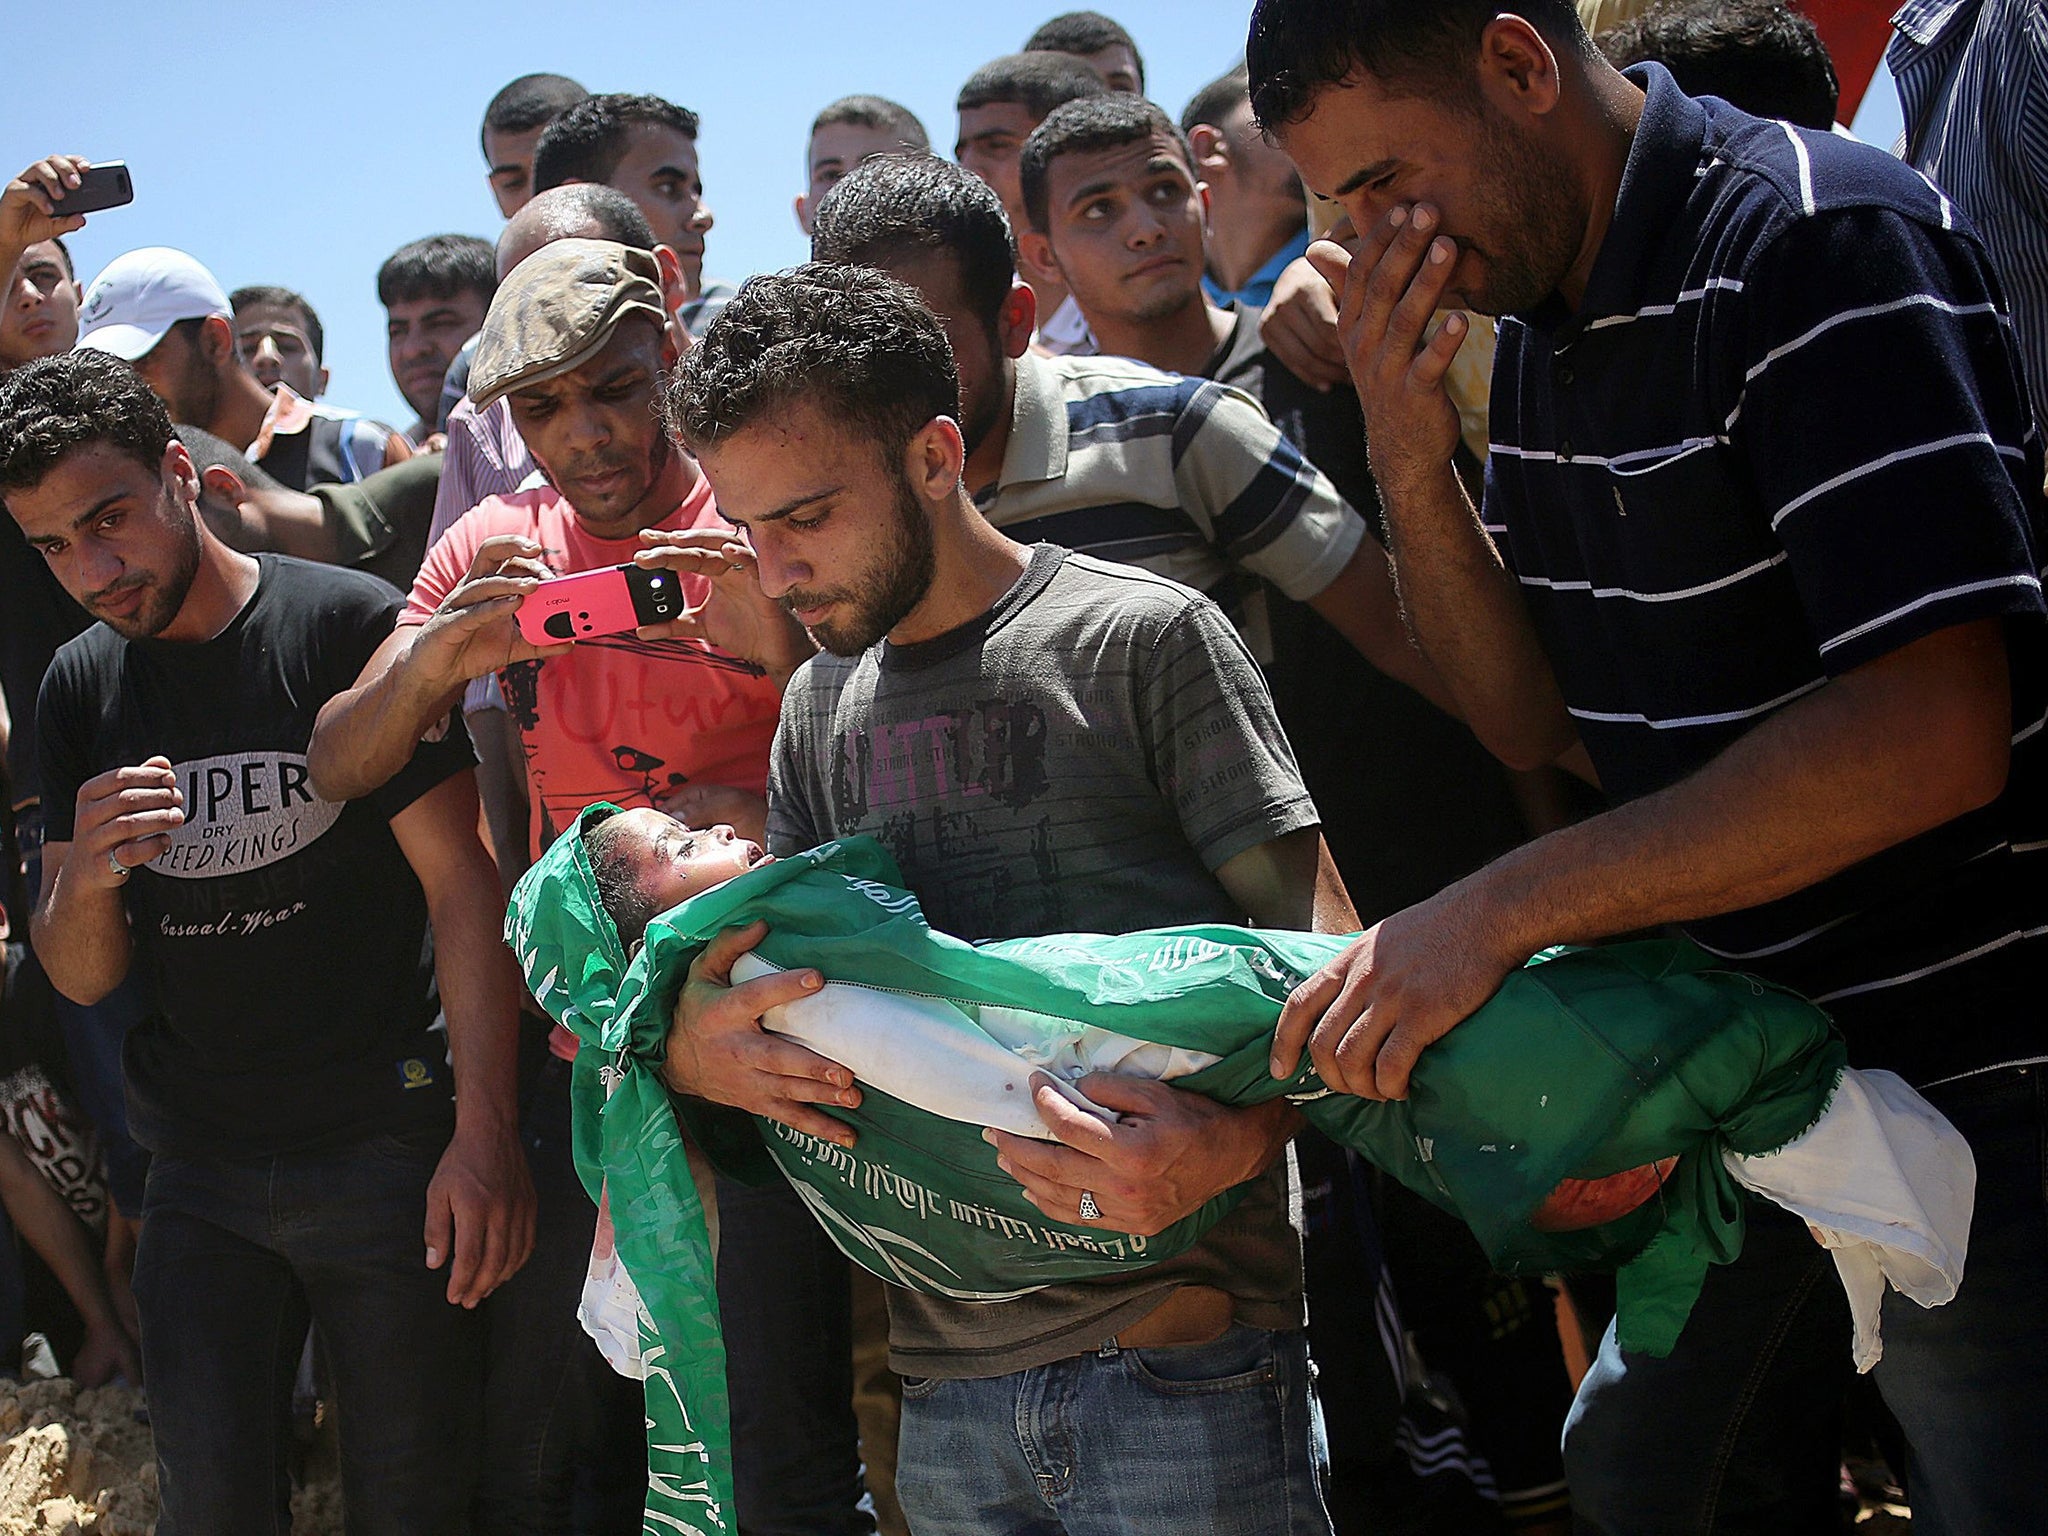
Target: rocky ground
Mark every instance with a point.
(75, 1461)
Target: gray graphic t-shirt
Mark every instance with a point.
(1082, 758)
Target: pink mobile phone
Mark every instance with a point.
(604, 602)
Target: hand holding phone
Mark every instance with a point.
(52, 196)
(611, 601)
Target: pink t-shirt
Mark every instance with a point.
(620, 719)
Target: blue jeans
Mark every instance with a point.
(1221, 1438)
(235, 1255)
(1968, 1382)
(785, 1301)
(1739, 1429)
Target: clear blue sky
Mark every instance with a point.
(303, 144)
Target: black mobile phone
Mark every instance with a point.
(99, 186)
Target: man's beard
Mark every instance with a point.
(165, 590)
(1535, 218)
(888, 591)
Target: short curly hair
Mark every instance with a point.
(54, 406)
(859, 344)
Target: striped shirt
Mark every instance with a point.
(1973, 84)
(1784, 435)
(1185, 477)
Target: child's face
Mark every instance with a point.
(674, 863)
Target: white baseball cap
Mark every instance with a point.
(140, 296)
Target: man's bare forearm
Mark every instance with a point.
(1881, 755)
(80, 933)
(1469, 617)
(364, 736)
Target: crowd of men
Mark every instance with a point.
(1630, 517)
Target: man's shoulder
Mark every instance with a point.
(306, 593)
(1095, 594)
(1119, 385)
(1762, 168)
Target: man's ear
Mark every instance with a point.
(217, 341)
(325, 379)
(222, 484)
(1518, 68)
(1036, 255)
(670, 266)
(803, 213)
(1017, 320)
(180, 472)
(935, 457)
(1212, 151)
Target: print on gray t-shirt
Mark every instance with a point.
(1082, 758)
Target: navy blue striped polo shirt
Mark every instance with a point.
(1786, 433)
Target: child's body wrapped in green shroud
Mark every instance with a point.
(1584, 1066)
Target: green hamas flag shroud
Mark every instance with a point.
(1584, 1065)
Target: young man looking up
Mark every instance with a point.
(39, 304)
(292, 1084)
(1110, 457)
(1763, 526)
(576, 342)
(434, 292)
(999, 106)
(1098, 42)
(854, 129)
(1258, 220)
(281, 339)
(512, 126)
(162, 313)
(1044, 741)
(647, 148)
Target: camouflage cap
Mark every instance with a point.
(557, 309)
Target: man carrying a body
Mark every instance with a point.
(1045, 742)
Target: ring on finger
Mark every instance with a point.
(115, 866)
(1090, 1211)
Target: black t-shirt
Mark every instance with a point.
(36, 616)
(287, 936)
(1411, 802)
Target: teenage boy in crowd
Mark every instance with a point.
(998, 107)
(1044, 741)
(434, 292)
(1097, 41)
(1763, 527)
(1110, 457)
(512, 127)
(852, 130)
(577, 341)
(162, 313)
(647, 148)
(293, 1088)
(281, 338)
(1258, 214)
